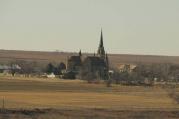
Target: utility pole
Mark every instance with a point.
(3, 104)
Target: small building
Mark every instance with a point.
(52, 75)
(9, 69)
(126, 67)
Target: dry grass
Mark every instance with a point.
(45, 93)
(85, 100)
(76, 99)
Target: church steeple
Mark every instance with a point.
(101, 39)
(80, 54)
(101, 51)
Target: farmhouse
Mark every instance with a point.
(126, 68)
(7, 68)
(91, 66)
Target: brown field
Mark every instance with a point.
(87, 114)
(76, 99)
(116, 59)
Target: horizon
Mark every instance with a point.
(90, 53)
(129, 27)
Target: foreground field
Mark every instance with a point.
(88, 114)
(30, 93)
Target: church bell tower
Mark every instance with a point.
(101, 51)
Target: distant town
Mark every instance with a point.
(95, 68)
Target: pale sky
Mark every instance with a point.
(129, 26)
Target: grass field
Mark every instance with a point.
(76, 95)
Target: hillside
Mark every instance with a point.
(115, 59)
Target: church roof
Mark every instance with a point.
(93, 60)
(75, 59)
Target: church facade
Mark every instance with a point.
(89, 67)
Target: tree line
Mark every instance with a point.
(36, 68)
(147, 74)
(142, 74)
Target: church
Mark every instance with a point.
(90, 67)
